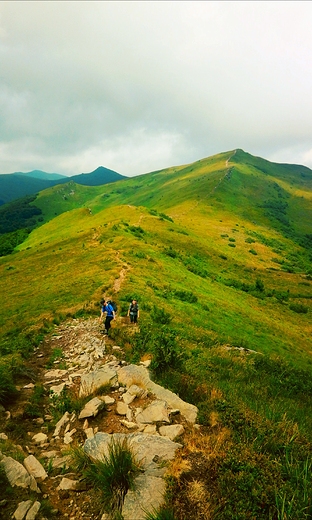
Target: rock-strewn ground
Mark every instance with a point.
(116, 399)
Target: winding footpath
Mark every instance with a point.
(117, 400)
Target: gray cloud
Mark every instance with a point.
(138, 86)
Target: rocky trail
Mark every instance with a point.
(113, 400)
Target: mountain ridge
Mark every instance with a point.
(218, 254)
(19, 184)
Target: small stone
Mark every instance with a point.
(32, 513)
(171, 432)
(40, 438)
(122, 408)
(128, 424)
(92, 408)
(38, 421)
(67, 484)
(107, 399)
(22, 510)
(68, 437)
(89, 433)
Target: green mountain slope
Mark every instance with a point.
(39, 174)
(220, 250)
(16, 185)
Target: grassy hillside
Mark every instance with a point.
(218, 254)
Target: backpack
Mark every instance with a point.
(113, 304)
(134, 307)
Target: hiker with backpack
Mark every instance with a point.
(134, 311)
(108, 308)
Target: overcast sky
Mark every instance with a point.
(140, 86)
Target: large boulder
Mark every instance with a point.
(92, 381)
(138, 375)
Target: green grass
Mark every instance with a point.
(169, 232)
(112, 476)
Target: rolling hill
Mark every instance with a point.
(18, 184)
(218, 254)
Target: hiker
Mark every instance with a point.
(107, 308)
(133, 311)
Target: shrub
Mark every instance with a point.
(64, 402)
(137, 231)
(34, 407)
(160, 514)
(259, 285)
(159, 342)
(159, 315)
(7, 387)
(56, 354)
(299, 308)
(169, 251)
(186, 296)
(165, 350)
(114, 475)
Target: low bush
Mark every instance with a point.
(34, 407)
(299, 308)
(113, 476)
(7, 387)
(160, 514)
(161, 343)
(159, 315)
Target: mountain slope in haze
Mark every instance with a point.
(17, 185)
(97, 177)
(39, 174)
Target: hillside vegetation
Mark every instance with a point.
(218, 253)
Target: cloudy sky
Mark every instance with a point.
(139, 86)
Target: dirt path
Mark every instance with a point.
(77, 342)
(227, 175)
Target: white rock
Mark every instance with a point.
(107, 399)
(155, 412)
(147, 497)
(40, 438)
(92, 408)
(68, 437)
(32, 513)
(22, 510)
(67, 484)
(131, 374)
(171, 432)
(17, 474)
(128, 424)
(104, 376)
(57, 389)
(48, 454)
(151, 429)
(64, 420)
(122, 408)
(89, 433)
(57, 373)
(35, 468)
